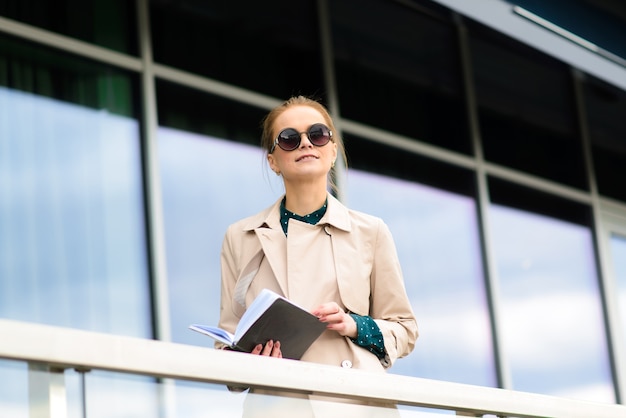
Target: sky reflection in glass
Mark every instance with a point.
(618, 255)
(14, 389)
(551, 316)
(207, 184)
(436, 236)
(72, 240)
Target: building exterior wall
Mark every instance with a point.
(129, 137)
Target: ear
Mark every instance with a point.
(272, 163)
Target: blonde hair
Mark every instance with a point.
(267, 135)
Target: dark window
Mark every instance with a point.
(65, 77)
(194, 111)
(371, 156)
(397, 68)
(606, 115)
(526, 109)
(107, 23)
(271, 47)
(504, 193)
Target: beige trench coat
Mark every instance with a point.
(348, 257)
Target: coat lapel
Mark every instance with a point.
(274, 246)
(246, 276)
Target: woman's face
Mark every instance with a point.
(307, 161)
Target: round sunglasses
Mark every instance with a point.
(289, 139)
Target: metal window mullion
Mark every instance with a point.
(65, 43)
(326, 47)
(154, 203)
(503, 374)
(213, 86)
(602, 235)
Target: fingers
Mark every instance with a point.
(336, 319)
(271, 349)
(276, 351)
(328, 312)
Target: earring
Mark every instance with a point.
(332, 165)
(277, 172)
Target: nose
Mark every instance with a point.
(304, 141)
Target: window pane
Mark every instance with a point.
(72, 248)
(195, 111)
(550, 306)
(618, 255)
(60, 76)
(526, 109)
(398, 69)
(606, 107)
(436, 235)
(208, 182)
(107, 23)
(376, 157)
(271, 47)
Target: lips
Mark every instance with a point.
(306, 157)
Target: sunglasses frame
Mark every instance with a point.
(308, 135)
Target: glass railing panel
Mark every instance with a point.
(14, 388)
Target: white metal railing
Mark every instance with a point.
(58, 348)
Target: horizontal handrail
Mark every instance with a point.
(70, 348)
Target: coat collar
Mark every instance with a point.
(336, 215)
(272, 246)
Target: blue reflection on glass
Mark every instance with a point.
(436, 236)
(121, 395)
(551, 315)
(207, 184)
(618, 256)
(72, 240)
(14, 389)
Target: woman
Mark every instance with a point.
(338, 263)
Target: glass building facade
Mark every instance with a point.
(129, 141)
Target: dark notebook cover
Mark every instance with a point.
(283, 321)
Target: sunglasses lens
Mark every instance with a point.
(289, 139)
(319, 134)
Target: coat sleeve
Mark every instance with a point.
(390, 306)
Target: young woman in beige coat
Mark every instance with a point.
(338, 263)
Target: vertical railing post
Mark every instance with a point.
(47, 395)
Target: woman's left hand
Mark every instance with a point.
(336, 319)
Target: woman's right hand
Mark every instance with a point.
(271, 349)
